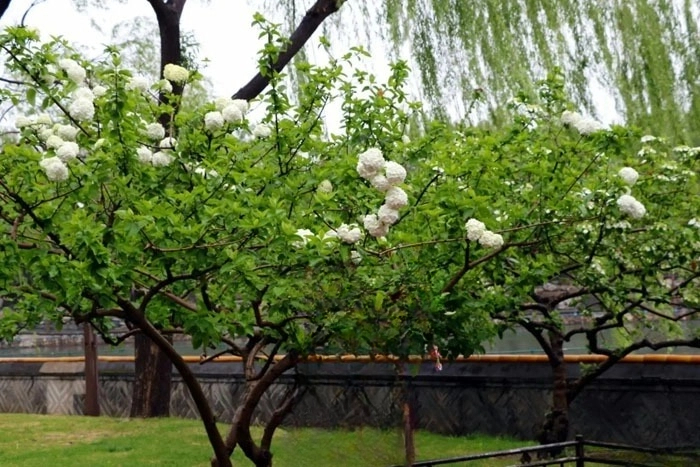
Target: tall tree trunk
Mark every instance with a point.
(555, 428)
(153, 380)
(92, 402)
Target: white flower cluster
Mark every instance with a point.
(325, 187)
(384, 176)
(231, 110)
(476, 231)
(155, 131)
(582, 124)
(56, 170)
(175, 73)
(81, 106)
(628, 175)
(262, 130)
(305, 235)
(138, 83)
(75, 72)
(213, 121)
(629, 205)
(347, 233)
(161, 158)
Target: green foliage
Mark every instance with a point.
(204, 237)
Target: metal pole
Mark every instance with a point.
(579, 451)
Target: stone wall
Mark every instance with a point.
(647, 404)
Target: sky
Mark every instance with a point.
(227, 40)
(223, 28)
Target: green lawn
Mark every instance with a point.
(40, 440)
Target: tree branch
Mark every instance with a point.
(614, 357)
(313, 18)
(3, 6)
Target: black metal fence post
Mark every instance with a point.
(580, 462)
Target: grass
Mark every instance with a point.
(40, 440)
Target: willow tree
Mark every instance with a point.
(632, 60)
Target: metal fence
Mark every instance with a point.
(577, 453)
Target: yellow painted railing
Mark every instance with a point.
(490, 358)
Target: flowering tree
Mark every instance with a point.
(264, 236)
(214, 226)
(631, 281)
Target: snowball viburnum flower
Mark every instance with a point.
(66, 132)
(138, 83)
(155, 131)
(75, 72)
(83, 93)
(491, 240)
(175, 73)
(68, 151)
(262, 130)
(54, 142)
(55, 169)
(161, 159)
(325, 187)
(395, 173)
(582, 124)
(45, 134)
(22, 122)
(164, 86)
(355, 257)
(213, 121)
(475, 229)
(629, 205)
(396, 198)
(330, 235)
(167, 143)
(374, 226)
(220, 103)
(349, 233)
(99, 91)
(242, 105)
(628, 175)
(387, 215)
(305, 235)
(647, 139)
(44, 119)
(144, 155)
(380, 182)
(232, 113)
(370, 163)
(81, 109)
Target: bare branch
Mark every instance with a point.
(313, 18)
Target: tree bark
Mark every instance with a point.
(152, 380)
(208, 420)
(92, 402)
(313, 18)
(239, 434)
(3, 6)
(555, 428)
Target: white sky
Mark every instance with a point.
(222, 27)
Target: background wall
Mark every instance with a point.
(647, 404)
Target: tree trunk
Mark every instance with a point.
(555, 428)
(408, 439)
(153, 380)
(92, 403)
